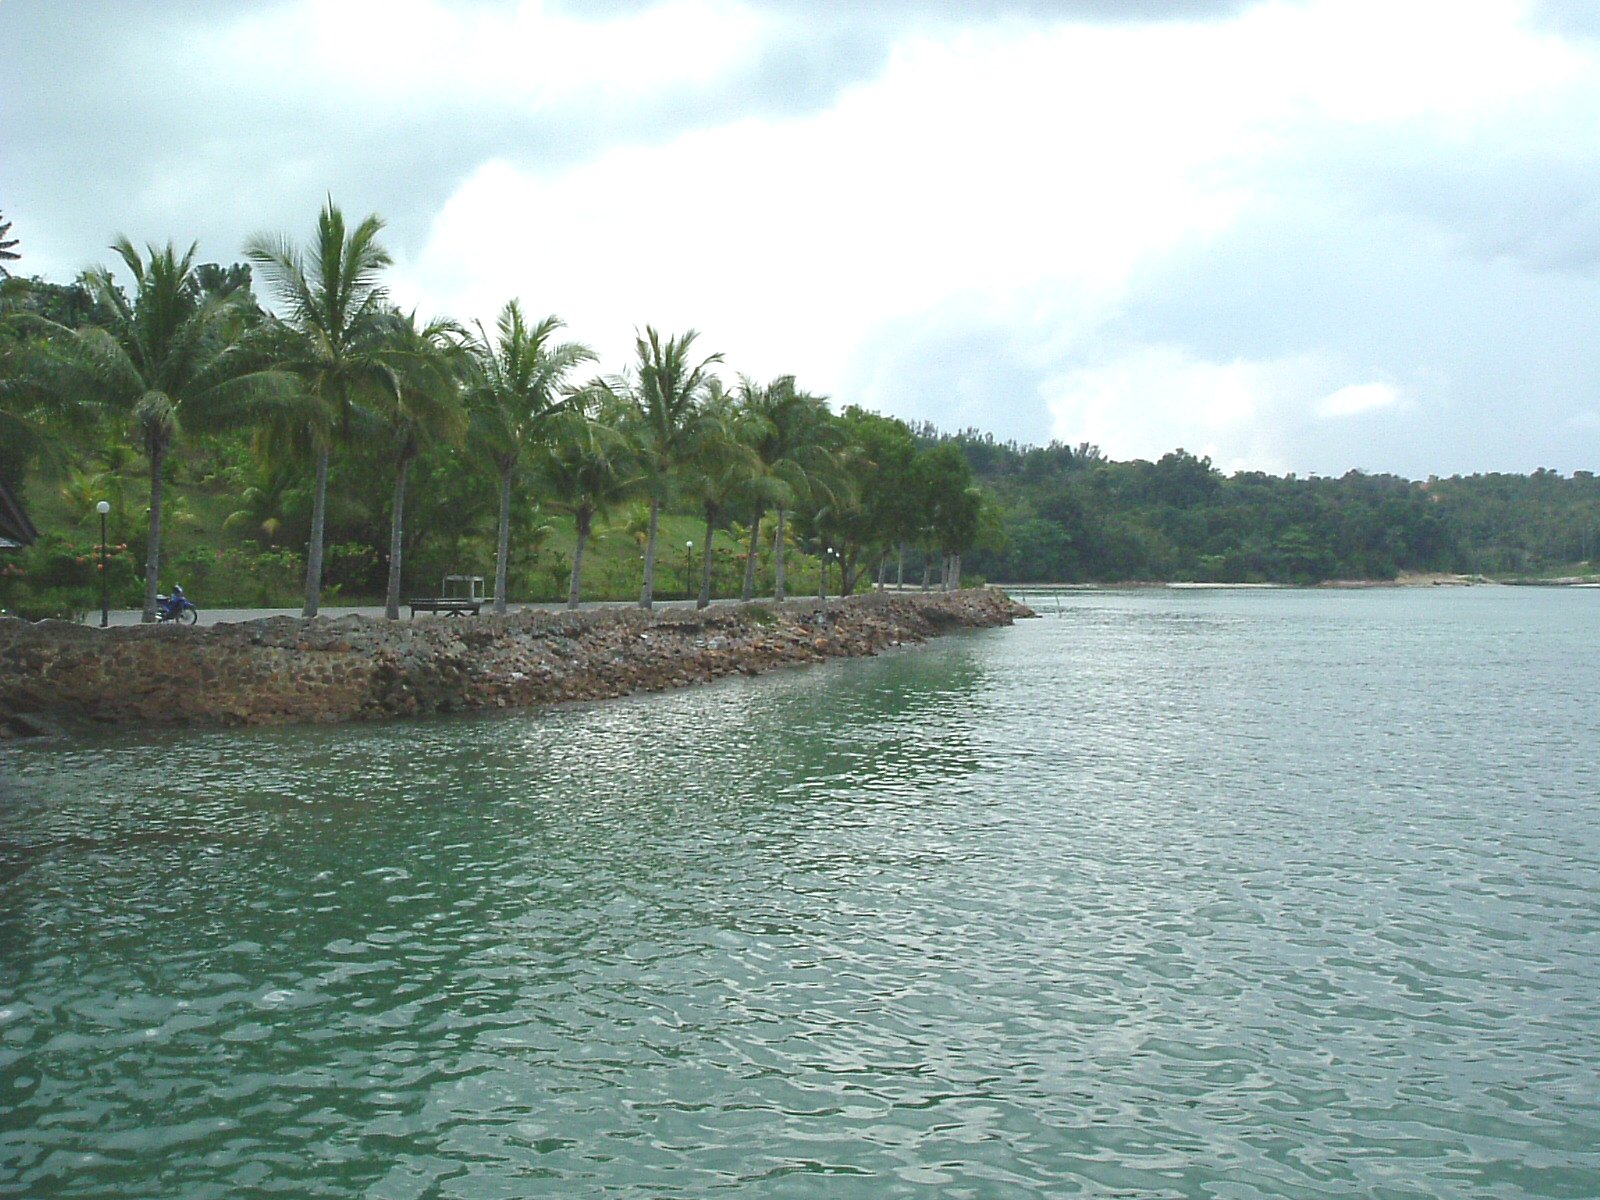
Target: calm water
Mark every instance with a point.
(1170, 895)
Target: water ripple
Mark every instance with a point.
(1228, 896)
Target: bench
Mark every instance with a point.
(466, 597)
(452, 606)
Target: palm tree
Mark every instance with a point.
(588, 466)
(166, 357)
(333, 304)
(517, 390)
(666, 396)
(797, 450)
(426, 406)
(261, 513)
(722, 464)
(7, 254)
(26, 406)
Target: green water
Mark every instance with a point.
(1168, 895)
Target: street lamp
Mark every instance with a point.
(105, 579)
(688, 567)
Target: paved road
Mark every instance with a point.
(219, 616)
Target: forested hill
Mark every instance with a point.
(1069, 514)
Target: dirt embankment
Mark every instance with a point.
(287, 669)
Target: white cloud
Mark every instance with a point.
(1220, 233)
(1358, 398)
(1152, 399)
(414, 53)
(1026, 175)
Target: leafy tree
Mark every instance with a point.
(889, 505)
(952, 503)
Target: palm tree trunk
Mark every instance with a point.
(503, 540)
(647, 593)
(955, 574)
(391, 607)
(584, 521)
(319, 514)
(705, 567)
(777, 560)
(152, 558)
(900, 567)
(749, 592)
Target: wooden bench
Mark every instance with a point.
(451, 606)
(467, 597)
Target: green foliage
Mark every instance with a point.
(300, 440)
(47, 604)
(1072, 515)
(59, 576)
(7, 253)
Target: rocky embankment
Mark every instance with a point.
(287, 669)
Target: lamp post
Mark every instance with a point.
(688, 567)
(105, 579)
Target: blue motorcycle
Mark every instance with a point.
(176, 607)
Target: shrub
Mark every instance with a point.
(61, 604)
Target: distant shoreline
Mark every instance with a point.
(1411, 580)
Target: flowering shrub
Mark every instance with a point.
(58, 577)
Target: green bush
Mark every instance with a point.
(61, 604)
(758, 614)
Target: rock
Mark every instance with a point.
(288, 669)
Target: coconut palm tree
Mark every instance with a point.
(7, 254)
(666, 394)
(329, 335)
(588, 466)
(798, 450)
(262, 505)
(722, 463)
(31, 417)
(167, 358)
(518, 388)
(427, 360)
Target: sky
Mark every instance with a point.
(1299, 236)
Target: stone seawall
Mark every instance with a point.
(287, 669)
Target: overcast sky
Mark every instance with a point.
(1301, 235)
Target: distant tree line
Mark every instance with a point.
(358, 447)
(1068, 513)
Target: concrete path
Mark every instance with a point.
(221, 616)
